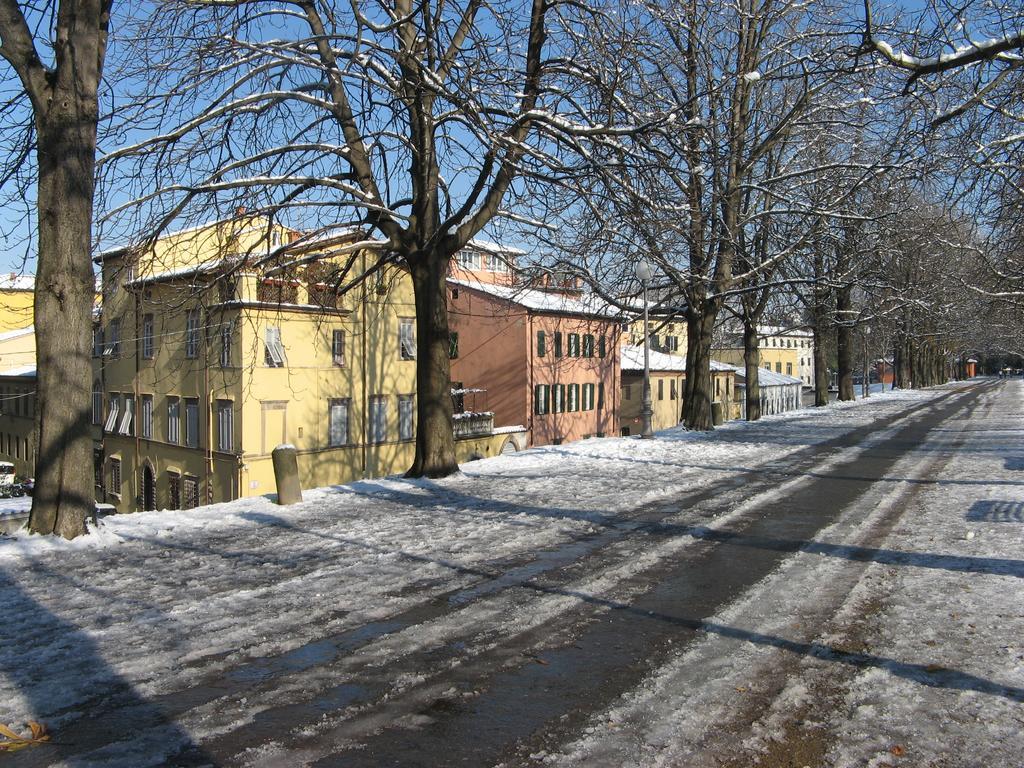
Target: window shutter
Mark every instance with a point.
(540, 344)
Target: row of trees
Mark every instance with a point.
(738, 147)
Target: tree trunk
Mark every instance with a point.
(844, 359)
(751, 363)
(66, 150)
(698, 371)
(435, 441)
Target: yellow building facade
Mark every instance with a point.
(16, 301)
(210, 352)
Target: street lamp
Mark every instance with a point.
(866, 383)
(645, 273)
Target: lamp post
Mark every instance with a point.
(866, 383)
(644, 274)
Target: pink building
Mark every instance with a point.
(548, 360)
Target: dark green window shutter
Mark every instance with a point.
(558, 343)
(540, 344)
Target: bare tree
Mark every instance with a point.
(419, 124)
(56, 55)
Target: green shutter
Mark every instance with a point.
(540, 344)
(558, 343)
(600, 347)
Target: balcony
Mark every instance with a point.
(473, 424)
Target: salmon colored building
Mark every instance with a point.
(544, 359)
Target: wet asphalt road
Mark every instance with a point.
(487, 698)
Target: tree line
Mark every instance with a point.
(831, 167)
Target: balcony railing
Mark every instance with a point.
(473, 424)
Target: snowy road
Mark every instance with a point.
(838, 587)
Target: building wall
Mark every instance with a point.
(17, 349)
(17, 423)
(780, 360)
(566, 370)
(666, 401)
(16, 308)
(498, 352)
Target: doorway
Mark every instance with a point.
(148, 487)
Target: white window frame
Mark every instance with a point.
(114, 407)
(407, 338)
(337, 433)
(192, 333)
(128, 417)
(378, 419)
(148, 347)
(273, 356)
(191, 429)
(225, 425)
(112, 346)
(146, 416)
(226, 333)
(174, 420)
(338, 350)
(469, 260)
(406, 411)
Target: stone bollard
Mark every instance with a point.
(286, 474)
(717, 413)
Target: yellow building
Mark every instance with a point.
(17, 419)
(667, 377)
(780, 350)
(211, 352)
(16, 301)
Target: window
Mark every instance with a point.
(469, 259)
(147, 337)
(601, 351)
(588, 345)
(407, 338)
(653, 341)
(225, 425)
(191, 422)
(767, 366)
(600, 400)
(672, 389)
(113, 344)
(558, 397)
(458, 397)
(588, 397)
(127, 427)
(574, 345)
(146, 416)
(115, 476)
(190, 491)
(672, 343)
(540, 344)
(574, 397)
(496, 263)
(112, 409)
(453, 345)
(378, 418)
(405, 417)
(226, 332)
(661, 389)
(192, 333)
(789, 369)
(97, 341)
(338, 347)
(173, 421)
(173, 490)
(558, 343)
(541, 399)
(627, 392)
(273, 352)
(97, 404)
(337, 422)
(778, 367)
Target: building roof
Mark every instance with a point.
(632, 358)
(17, 333)
(767, 378)
(27, 371)
(15, 282)
(535, 300)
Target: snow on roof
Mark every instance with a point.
(767, 378)
(541, 301)
(15, 282)
(21, 370)
(633, 360)
(487, 245)
(17, 333)
(779, 330)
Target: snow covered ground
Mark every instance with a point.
(933, 670)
